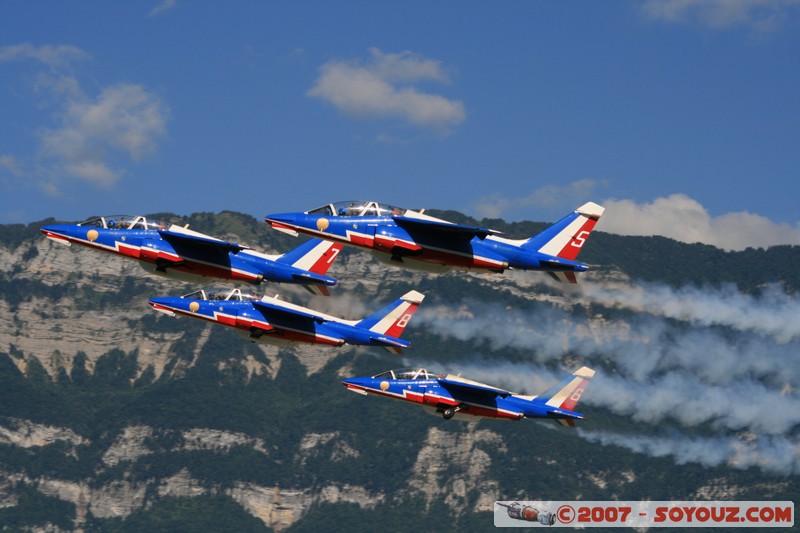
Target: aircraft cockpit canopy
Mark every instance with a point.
(356, 208)
(216, 293)
(123, 222)
(406, 373)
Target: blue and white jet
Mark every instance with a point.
(180, 253)
(412, 239)
(451, 395)
(271, 320)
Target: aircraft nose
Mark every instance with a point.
(58, 232)
(163, 305)
(357, 385)
(281, 218)
(285, 222)
(53, 228)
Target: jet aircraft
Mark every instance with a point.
(412, 239)
(451, 395)
(270, 320)
(180, 253)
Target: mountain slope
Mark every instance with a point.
(116, 418)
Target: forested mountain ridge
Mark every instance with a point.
(115, 418)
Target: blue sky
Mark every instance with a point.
(682, 117)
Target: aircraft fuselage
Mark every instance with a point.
(253, 323)
(384, 236)
(430, 394)
(188, 256)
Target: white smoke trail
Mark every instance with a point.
(743, 405)
(638, 346)
(680, 396)
(772, 454)
(774, 312)
(766, 417)
(711, 359)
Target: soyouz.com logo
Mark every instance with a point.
(643, 514)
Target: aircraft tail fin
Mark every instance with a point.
(393, 319)
(315, 255)
(565, 238)
(562, 398)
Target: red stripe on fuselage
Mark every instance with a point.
(212, 271)
(489, 412)
(245, 324)
(472, 408)
(433, 400)
(443, 257)
(436, 256)
(187, 266)
(286, 335)
(388, 243)
(56, 237)
(105, 248)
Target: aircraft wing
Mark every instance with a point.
(390, 341)
(466, 385)
(563, 265)
(285, 312)
(391, 344)
(196, 239)
(433, 226)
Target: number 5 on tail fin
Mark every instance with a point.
(565, 238)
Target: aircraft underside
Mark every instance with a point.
(196, 272)
(448, 407)
(189, 270)
(470, 413)
(285, 338)
(437, 261)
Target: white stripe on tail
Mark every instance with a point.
(577, 226)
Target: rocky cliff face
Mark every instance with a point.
(96, 304)
(276, 506)
(125, 409)
(451, 469)
(54, 330)
(99, 300)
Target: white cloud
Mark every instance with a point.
(166, 5)
(124, 118)
(380, 89)
(762, 15)
(676, 216)
(684, 219)
(407, 67)
(53, 56)
(547, 197)
(11, 165)
(89, 136)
